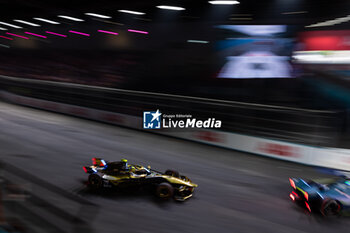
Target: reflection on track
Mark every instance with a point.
(237, 192)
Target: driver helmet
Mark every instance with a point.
(125, 163)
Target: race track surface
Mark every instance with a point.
(237, 192)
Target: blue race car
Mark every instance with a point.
(330, 197)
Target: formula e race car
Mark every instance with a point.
(330, 197)
(103, 174)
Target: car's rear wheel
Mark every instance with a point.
(172, 173)
(95, 181)
(165, 190)
(330, 207)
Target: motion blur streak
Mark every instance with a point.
(224, 2)
(10, 25)
(98, 15)
(56, 34)
(174, 8)
(70, 18)
(198, 41)
(132, 12)
(137, 31)
(7, 38)
(4, 46)
(47, 21)
(79, 33)
(12, 34)
(34, 34)
(108, 32)
(27, 23)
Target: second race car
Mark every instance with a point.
(330, 197)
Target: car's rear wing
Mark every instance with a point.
(98, 162)
(300, 186)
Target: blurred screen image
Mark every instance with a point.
(255, 51)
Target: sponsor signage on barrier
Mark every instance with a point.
(209, 136)
(278, 149)
(113, 118)
(50, 106)
(78, 111)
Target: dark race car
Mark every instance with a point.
(330, 197)
(103, 175)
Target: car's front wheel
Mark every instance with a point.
(165, 190)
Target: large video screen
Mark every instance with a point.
(254, 51)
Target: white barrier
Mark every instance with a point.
(315, 156)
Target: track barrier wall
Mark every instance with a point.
(309, 155)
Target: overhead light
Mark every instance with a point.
(331, 57)
(241, 15)
(79, 33)
(56, 34)
(7, 38)
(47, 21)
(198, 41)
(143, 19)
(241, 18)
(3, 29)
(224, 2)
(132, 12)
(294, 12)
(10, 25)
(108, 32)
(330, 22)
(98, 15)
(108, 21)
(26, 22)
(34, 34)
(174, 8)
(137, 31)
(11, 34)
(70, 18)
(4, 46)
